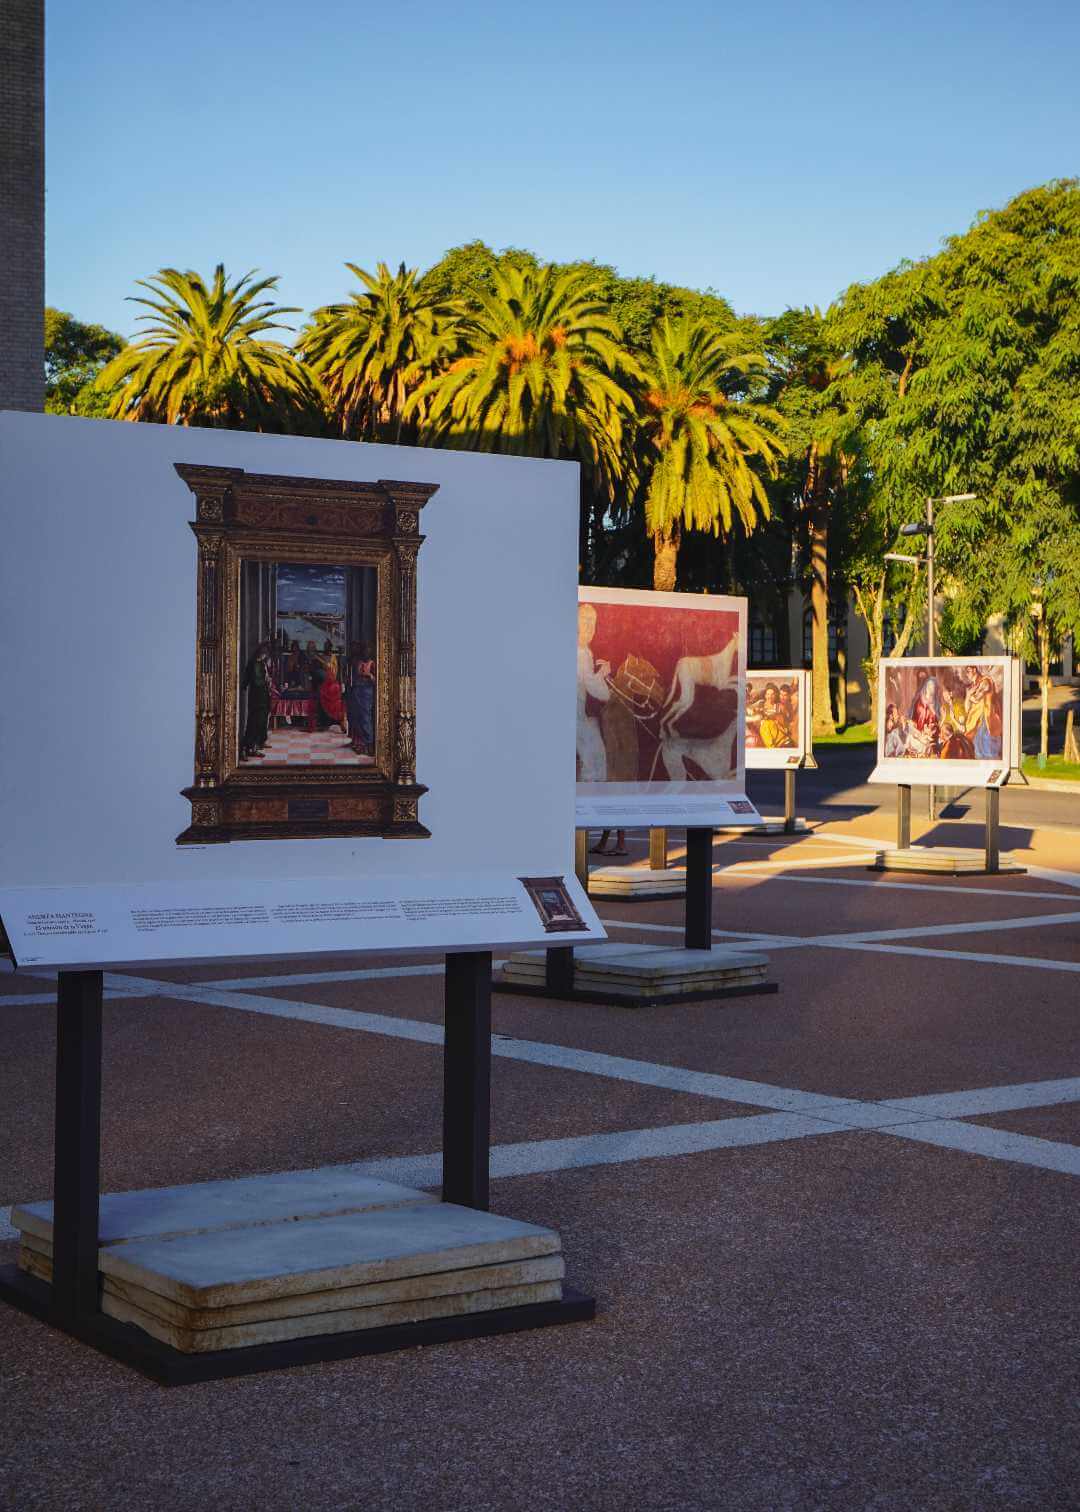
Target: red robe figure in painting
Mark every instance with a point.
(925, 716)
(330, 699)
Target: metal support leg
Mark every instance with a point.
(658, 850)
(77, 1149)
(559, 969)
(467, 1079)
(699, 844)
(903, 817)
(993, 838)
(581, 857)
(789, 800)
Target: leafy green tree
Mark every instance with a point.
(543, 373)
(704, 447)
(75, 354)
(374, 352)
(205, 358)
(968, 371)
(806, 369)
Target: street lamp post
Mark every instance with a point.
(926, 528)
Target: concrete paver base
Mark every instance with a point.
(952, 861)
(263, 1272)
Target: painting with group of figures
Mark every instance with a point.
(777, 718)
(941, 713)
(305, 699)
(309, 668)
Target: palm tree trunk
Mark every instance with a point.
(819, 611)
(665, 561)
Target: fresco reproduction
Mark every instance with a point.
(658, 693)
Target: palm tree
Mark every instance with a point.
(700, 441)
(809, 373)
(544, 373)
(373, 352)
(205, 358)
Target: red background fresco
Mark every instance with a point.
(661, 636)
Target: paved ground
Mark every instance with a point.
(832, 1233)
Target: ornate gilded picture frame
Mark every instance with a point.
(305, 681)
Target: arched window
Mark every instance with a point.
(837, 636)
(764, 650)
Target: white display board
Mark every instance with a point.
(778, 722)
(98, 618)
(949, 721)
(661, 692)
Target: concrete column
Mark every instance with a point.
(22, 205)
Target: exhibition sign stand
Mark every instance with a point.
(661, 700)
(952, 723)
(297, 779)
(643, 976)
(779, 734)
(73, 1302)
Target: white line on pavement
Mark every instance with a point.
(979, 892)
(1043, 1094)
(312, 978)
(994, 1144)
(974, 926)
(984, 958)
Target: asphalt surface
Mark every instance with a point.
(840, 786)
(870, 1304)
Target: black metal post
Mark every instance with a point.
(699, 845)
(559, 969)
(903, 817)
(993, 836)
(467, 1079)
(77, 1148)
(789, 800)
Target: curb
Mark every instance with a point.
(1052, 785)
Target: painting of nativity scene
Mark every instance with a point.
(946, 711)
(658, 694)
(308, 673)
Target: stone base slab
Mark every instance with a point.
(347, 1320)
(246, 1201)
(260, 1273)
(547, 1268)
(635, 882)
(644, 974)
(956, 862)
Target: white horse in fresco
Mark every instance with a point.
(692, 673)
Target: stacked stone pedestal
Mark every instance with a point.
(631, 883)
(644, 975)
(953, 861)
(224, 1265)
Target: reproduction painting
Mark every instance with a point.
(305, 664)
(938, 717)
(661, 689)
(777, 718)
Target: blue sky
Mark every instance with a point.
(775, 153)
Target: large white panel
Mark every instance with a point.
(97, 625)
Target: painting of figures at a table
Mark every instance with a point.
(658, 692)
(942, 711)
(772, 712)
(308, 670)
